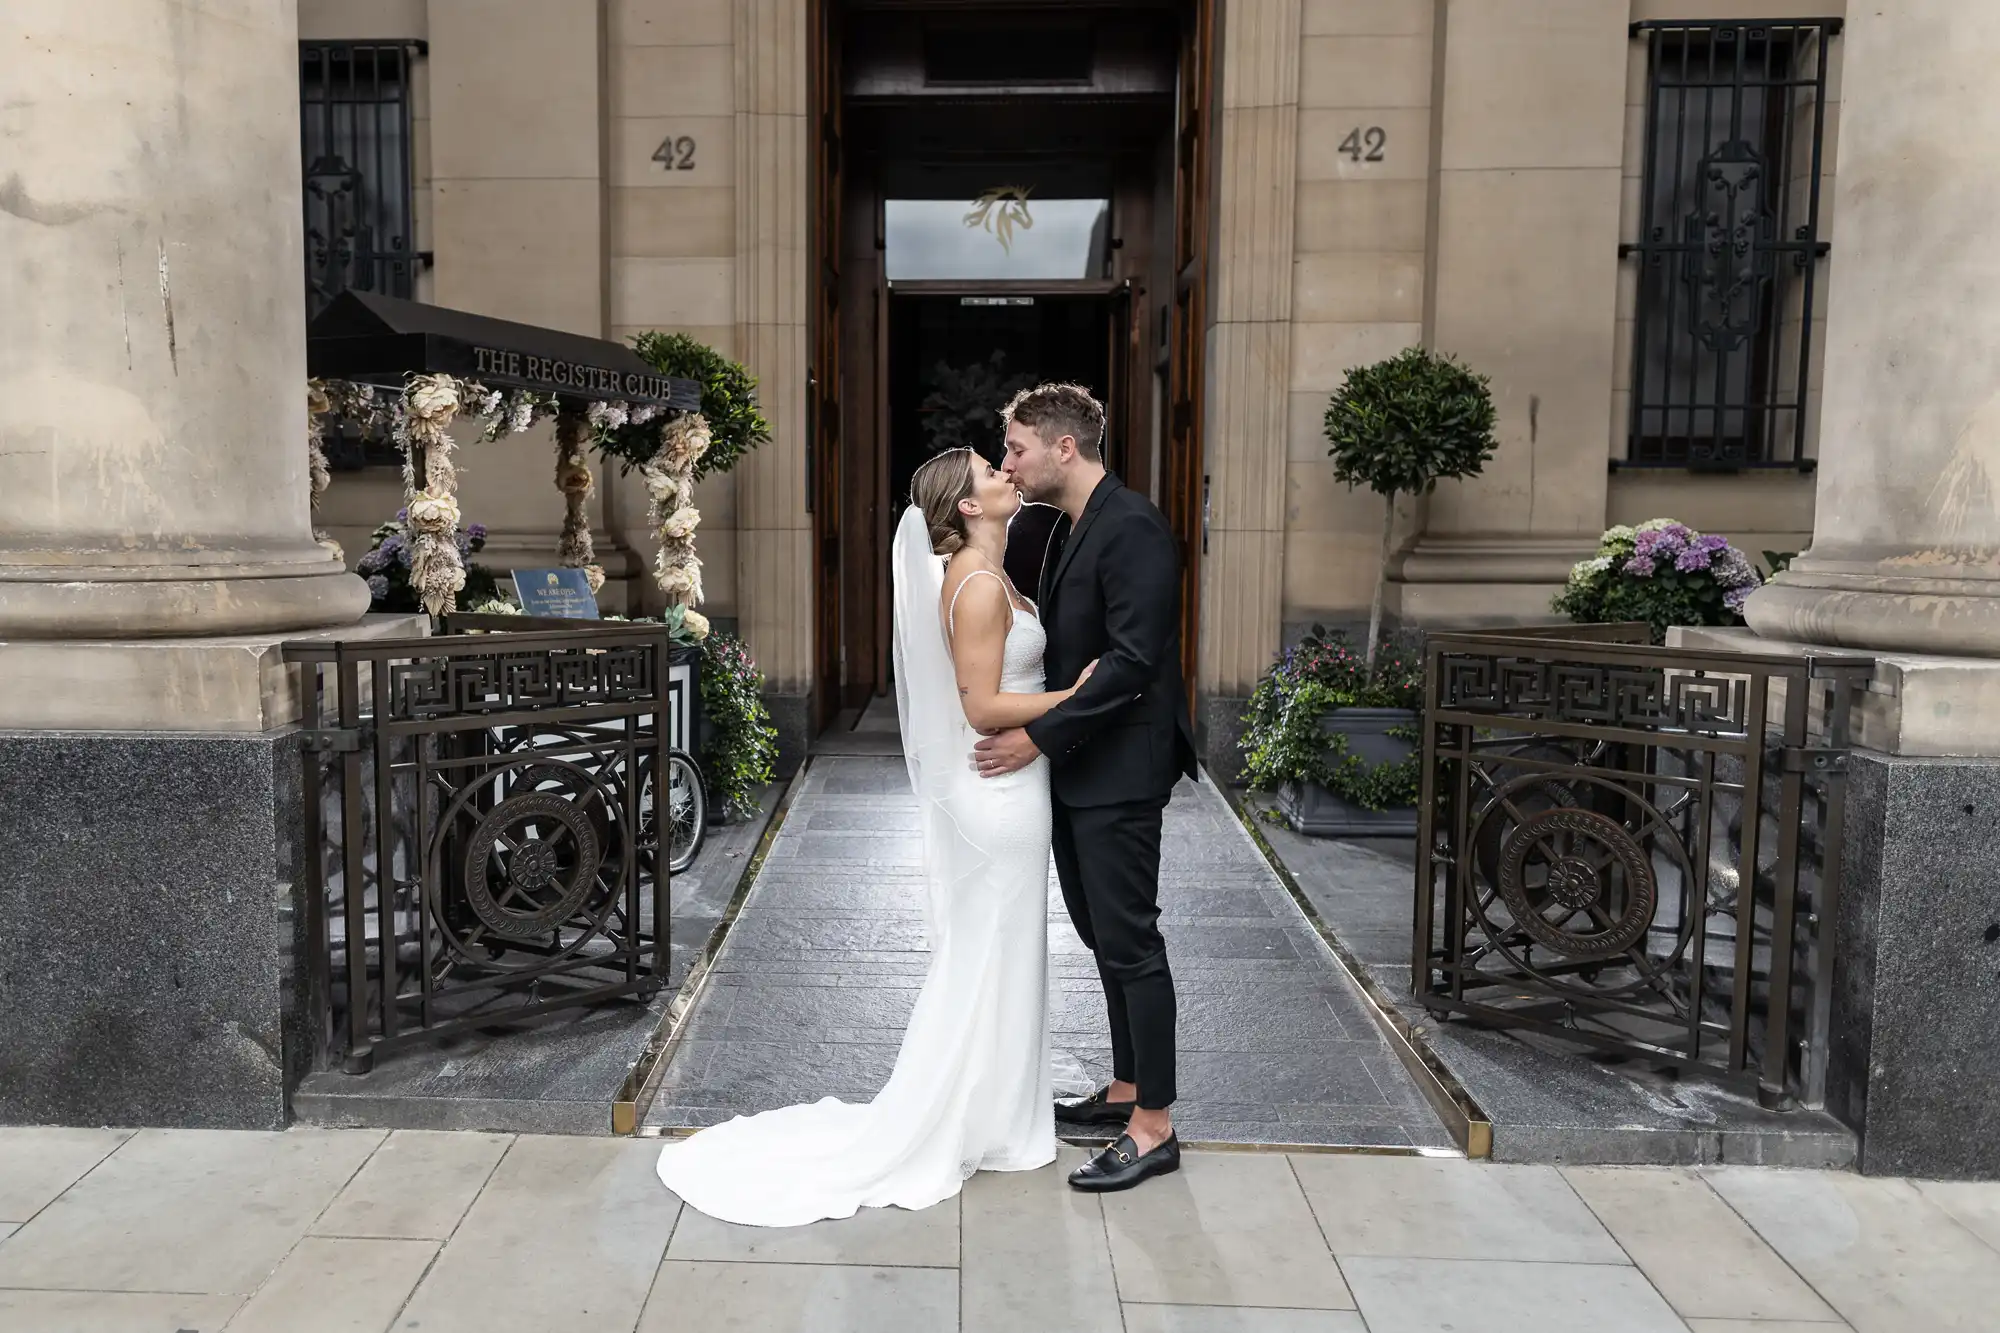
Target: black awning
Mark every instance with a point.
(371, 339)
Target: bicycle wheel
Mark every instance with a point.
(686, 811)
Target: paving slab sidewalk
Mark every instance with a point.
(313, 1230)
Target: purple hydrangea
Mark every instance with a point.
(476, 531)
(373, 563)
(1734, 570)
(1735, 597)
(394, 547)
(378, 587)
(1700, 554)
(1640, 566)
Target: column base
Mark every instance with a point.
(82, 601)
(1879, 607)
(1917, 705)
(233, 684)
(1482, 582)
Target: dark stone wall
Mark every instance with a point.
(147, 931)
(1915, 1058)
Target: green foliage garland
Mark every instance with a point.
(728, 401)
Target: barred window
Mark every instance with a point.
(354, 129)
(1728, 250)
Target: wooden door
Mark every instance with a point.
(1184, 480)
(823, 472)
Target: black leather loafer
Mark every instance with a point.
(1095, 1110)
(1122, 1165)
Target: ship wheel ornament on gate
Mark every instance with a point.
(531, 863)
(1577, 882)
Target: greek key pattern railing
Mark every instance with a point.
(1636, 848)
(479, 811)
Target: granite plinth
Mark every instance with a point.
(791, 715)
(1219, 727)
(1915, 1064)
(147, 929)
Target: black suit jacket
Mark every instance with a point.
(1110, 592)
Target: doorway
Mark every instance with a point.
(1001, 197)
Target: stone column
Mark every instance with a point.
(1249, 348)
(152, 385)
(1905, 552)
(774, 563)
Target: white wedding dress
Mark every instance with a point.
(972, 1089)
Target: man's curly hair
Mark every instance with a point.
(1055, 410)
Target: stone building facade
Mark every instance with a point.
(1470, 175)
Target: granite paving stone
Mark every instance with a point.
(1872, 1247)
(1441, 1295)
(1705, 1259)
(337, 1285)
(1035, 1253)
(811, 1298)
(1143, 1318)
(37, 1164)
(198, 1211)
(815, 981)
(876, 1237)
(565, 1238)
(417, 1186)
(113, 1312)
(1223, 1231)
(1451, 1209)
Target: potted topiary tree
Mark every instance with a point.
(1401, 426)
(1334, 731)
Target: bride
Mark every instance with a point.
(971, 1090)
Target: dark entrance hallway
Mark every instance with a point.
(1002, 196)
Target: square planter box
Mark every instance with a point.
(1317, 813)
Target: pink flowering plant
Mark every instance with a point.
(1664, 573)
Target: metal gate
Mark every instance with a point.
(1636, 848)
(482, 843)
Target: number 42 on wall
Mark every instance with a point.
(675, 154)
(1365, 145)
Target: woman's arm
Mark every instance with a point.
(978, 647)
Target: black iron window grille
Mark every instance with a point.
(354, 130)
(1729, 244)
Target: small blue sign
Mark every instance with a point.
(555, 592)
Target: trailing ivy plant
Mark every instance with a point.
(1283, 741)
(742, 746)
(728, 402)
(1399, 427)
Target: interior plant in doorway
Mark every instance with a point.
(1335, 736)
(1662, 572)
(1399, 427)
(961, 410)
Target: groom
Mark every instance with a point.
(1110, 592)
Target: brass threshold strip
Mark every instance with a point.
(1462, 1115)
(642, 1083)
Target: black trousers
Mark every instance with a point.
(1108, 860)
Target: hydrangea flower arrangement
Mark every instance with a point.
(387, 566)
(1664, 573)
